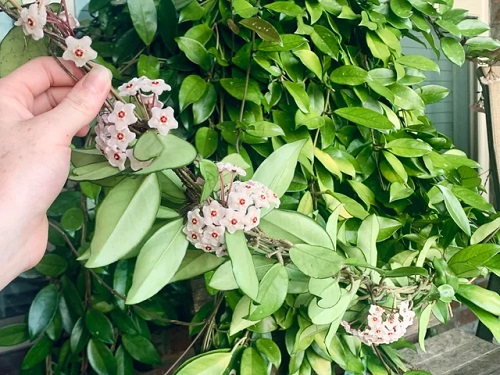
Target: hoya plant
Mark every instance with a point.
(265, 174)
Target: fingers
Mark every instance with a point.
(49, 99)
(78, 107)
(36, 76)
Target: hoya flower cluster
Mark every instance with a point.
(237, 207)
(117, 131)
(383, 327)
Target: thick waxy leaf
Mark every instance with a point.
(489, 320)
(325, 40)
(296, 228)
(264, 29)
(42, 310)
(124, 217)
(365, 117)
(141, 349)
(367, 239)
(252, 363)
(196, 263)
(401, 8)
(210, 174)
(99, 326)
(453, 50)
(238, 320)
(195, 51)
(124, 362)
(418, 62)
(52, 265)
(484, 231)
(465, 263)
(311, 61)
(277, 171)
(37, 353)
(455, 209)
(486, 299)
(471, 27)
(144, 18)
(158, 261)
(203, 108)
(299, 95)
(288, 8)
(316, 261)
(192, 89)
(423, 323)
(92, 172)
(236, 87)
(206, 364)
(14, 334)
(174, 153)
(270, 350)
(264, 129)
(272, 293)
(148, 66)
(223, 278)
(243, 267)
(79, 337)
(407, 147)
(100, 358)
(432, 93)
(349, 75)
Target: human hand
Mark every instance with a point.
(41, 110)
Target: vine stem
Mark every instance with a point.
(113, 291)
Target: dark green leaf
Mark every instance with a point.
(465, 263)
(239, 88)
(365, 117)
(42, 310)
(195, 51)
(192, 89)
(168, 29)
(264, 29)
(37, 353)
(144, 18)
(101, 358)
(52, 265)
(270, 349)
(203, 108)
(148, 66)
(14, 334)
(99, 326)
(79, 337)
(72, 220)
(210, 174)
(124, 362)
(206, 141)
(141, 349)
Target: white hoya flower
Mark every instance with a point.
(156, 86)
(79, 50)
(252, 218)
(116, 157)
(195, 221)
(120, 138)
(239, 200)
(163, 120)
(214, 234)
(33, 20)
(233, 221)
(213, 213)
(122, 115)
(228, 167)
(130, 88)
(193, 236)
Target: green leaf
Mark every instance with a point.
(37, 353)
(192, 89)
(237, 87)
(432, 93)
(311, 61)
(124, 362)
(210, 363)
(148, 66)
(485, 231)
(223, 278)
(264, 129)
(264, 29)
(299, 95)
(196, 263)
(401, 8)
(453, 50)
(316, 261)
(243, 267)
(486, 299)
(268, 348)
(14, 334)
(296, 228)
(99, 326)
(367, 239)
(465, 263)
(349, 75)
(418, 62)
(94, 171)
(72, 220)
(124, 217)
(206, 141)
(408, 147)
(272, 293)
(252, 363)
(288, 8)
(158, 261)
(52, 265)
(472, 27)
(195, 52)
(79, 337)
(472, 198)
(365, 117)
(406, 98)
(406, 271)
(144, 18)
(122, 279)
(100, 358)
(277, 170)
(423, 323)
(455, 209)
(203, 108)
(240, 313)
(141, 349)
(244, 9)
(489, 320)
(16, 49)
(168, 30)
(210, 174)
(42, 310)
(175, 153)
(326, 41)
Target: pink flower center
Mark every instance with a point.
(234, 221)
(213, 213)
(254, 220)
(120, 136)
(163, 119)
(194, 221)
(155, 83)
(215, 235)
(117, 156)
(30, 22)
(208, 248)
(194, 236)
(263, 197)
(129, 86)
(79, 52)
(121, 114)
(242, 201)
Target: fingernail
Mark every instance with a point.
(98, 79)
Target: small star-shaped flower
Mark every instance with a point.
(79, 50)
(163, 120)
(33, 20)
(122, 115)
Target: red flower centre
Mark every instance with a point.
(215, 235)
(163, 119)
(194, 236)
(79, 52)
(194, 221)
(121, 114)
(213, 213)
(155, 83)
(263, 197)
(208, 248)
(30, 22)
(120, 136)
(242, 201)
(234, 221)
(254, 220)
(129, 86)
(117, 156)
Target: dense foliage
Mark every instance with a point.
(314, 99)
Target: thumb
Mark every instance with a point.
(81, 104)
